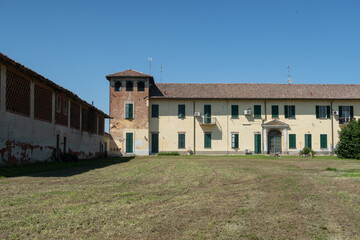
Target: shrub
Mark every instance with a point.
(168, 154)
(349, 141)
(307, 151)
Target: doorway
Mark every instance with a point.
(154, 142)
(274, 142)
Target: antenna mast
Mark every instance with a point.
(161, 67)
(289, 80)
(150, 60)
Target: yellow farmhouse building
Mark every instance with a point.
(221, 118)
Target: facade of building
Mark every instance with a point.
(194, 118)
(42, 121)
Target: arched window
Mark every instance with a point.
(118, 86)
(141, 86)
(129, 86)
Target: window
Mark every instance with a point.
(141, 86)
(58, 104)
(207, 113)
(289, 111)
(346, 114)
(234, 111)
(308, 140)
(322, 111)
(235, 140)
(292, 140)
(129, 142)
(129, 86)
(129, 111)
(181, 110)
(207, 140)
(118, 86)
(181, 140)
(257, 111)
(155, 110)
(323, 140)
(65, 109)
(257, 147)
(275, 111)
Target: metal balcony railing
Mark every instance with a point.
(345, 120)
(208, 121)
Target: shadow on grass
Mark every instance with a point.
(59, 169)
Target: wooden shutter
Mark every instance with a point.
(154, 110)
(293, 111)
(308, 140)
(317, 111)
(257, 111)
(234, 111)
(181, 140)
(328, 111)
(131, 111)
(275, 111)
(257, 138)
(351, 112)
(181, 110)
(292, 140)
(340, 115)
(323, 140)
(129, 142)
(207, 140)
(286, 110)
(235, 140)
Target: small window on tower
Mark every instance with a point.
(141, 86)
(129, 86)
(118, 86)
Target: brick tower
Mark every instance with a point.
(129, 112)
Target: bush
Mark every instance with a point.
(349, 141)
(168, 154)
(307, 151)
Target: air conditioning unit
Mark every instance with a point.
(247, 112)
(197, 114)
(335, 112)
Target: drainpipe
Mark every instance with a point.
(227, 126)
(332, 127)
(262, 131)
(194, 127)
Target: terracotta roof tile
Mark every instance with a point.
(254, 91)
(129, 73)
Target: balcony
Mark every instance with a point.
(345, 120)
(207, 121)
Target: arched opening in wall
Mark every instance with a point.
(118, 86)
(141, 86)
(274, 141)
(129, 86)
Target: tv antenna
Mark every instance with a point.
(150, 60)
(161, 67)
(289, 81)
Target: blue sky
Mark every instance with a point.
(77, 43)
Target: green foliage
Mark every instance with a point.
(331, 169)
(168, 154)
(307, 151)
(349, 141)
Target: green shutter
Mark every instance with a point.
(181, 110)
(129, 142)
(207, 140)
(275, 111)
(257, 138)
(351, 112)
(154, 110)
(340, 115)
(286, 110)
(293, 111)
(323, 141)
(129, 110)
(292, 140)
(234, 111)
(235, 140)
(328, 111)
(181, 140)
(257, 111)
(308, 140)
(207, 113)
(317, 111)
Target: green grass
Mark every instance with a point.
(182, 197)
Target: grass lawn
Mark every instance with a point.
(183, 197)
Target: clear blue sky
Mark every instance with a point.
(77, 43)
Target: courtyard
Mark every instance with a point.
(183, 197)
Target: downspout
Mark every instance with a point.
(194, 127)
(263, 121)
(227, 127)
(332, 127)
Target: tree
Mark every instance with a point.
(349, 141)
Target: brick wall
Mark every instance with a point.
(75, 115)
(17, 93)
(42, 103)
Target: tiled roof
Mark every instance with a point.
(6, 60)
(254, 91)
(129, 73)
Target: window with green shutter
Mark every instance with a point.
(129, 111)
(292, 140)
(308, 140)
(257, 147)
(234, 111)
(289, 111)
(129, 142)
(155, 110)
(207, 140)
(181, 111)
(323, 140)
(275, 111)
(181, 140)
(322, 111)
(235, 140)
(257, 111)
